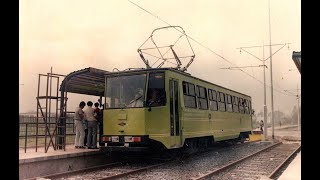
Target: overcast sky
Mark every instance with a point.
(105, 34)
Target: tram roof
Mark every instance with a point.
(163, 69)
(89, 81)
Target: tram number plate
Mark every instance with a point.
(115, 138)
(128, 139)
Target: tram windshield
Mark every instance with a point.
(126, 91)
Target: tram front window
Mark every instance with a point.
(156, 95)
(126, 91)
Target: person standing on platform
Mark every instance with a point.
(85, 126)
(261, 126)
(98, 115)
(78, 117)
(92, 126)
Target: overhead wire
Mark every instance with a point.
(208, 47)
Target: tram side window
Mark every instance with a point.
(202, 98)
(213, 100)
(235, 104)
(249, 107)
(189, 95)
(245, 105)
(222, 104)
(241, 108)
(229, 103)
(156, 95)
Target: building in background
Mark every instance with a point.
(296, 57)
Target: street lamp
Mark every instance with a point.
(264, 85)
(264, 80)
(272, 119)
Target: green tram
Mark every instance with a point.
(167, 108)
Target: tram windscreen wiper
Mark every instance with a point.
(135, 100)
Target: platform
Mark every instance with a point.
(31, 154)
(293, 171)
(35, 164)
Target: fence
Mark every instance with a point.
(28, 131)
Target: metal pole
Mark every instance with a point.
(38, 106)
(265, 110)
(50, 97)
(57, 103)
(25, 138)
(65, 123)
(265, 98)
(61, 116)
(272, 119)
(46, 118)
(279, 117)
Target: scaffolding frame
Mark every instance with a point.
(88, 81)
(59, 129)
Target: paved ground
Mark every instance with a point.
(286, 133)
(293, 171)
(31, 153)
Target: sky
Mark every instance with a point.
(76, 34)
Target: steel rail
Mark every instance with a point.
(133, 171)
(70, 173)
(234, 163)
(272, 175)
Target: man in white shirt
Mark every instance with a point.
(78, 117)
(92, 126)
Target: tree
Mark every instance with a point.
(278, 118)
(260, 114)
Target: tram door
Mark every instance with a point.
(175, 125)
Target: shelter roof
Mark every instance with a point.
(89, 81)
(296, 57)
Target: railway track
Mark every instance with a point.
(136, 167)
(264, 163)
(130, 166)
(75, 172)
(110, 171)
